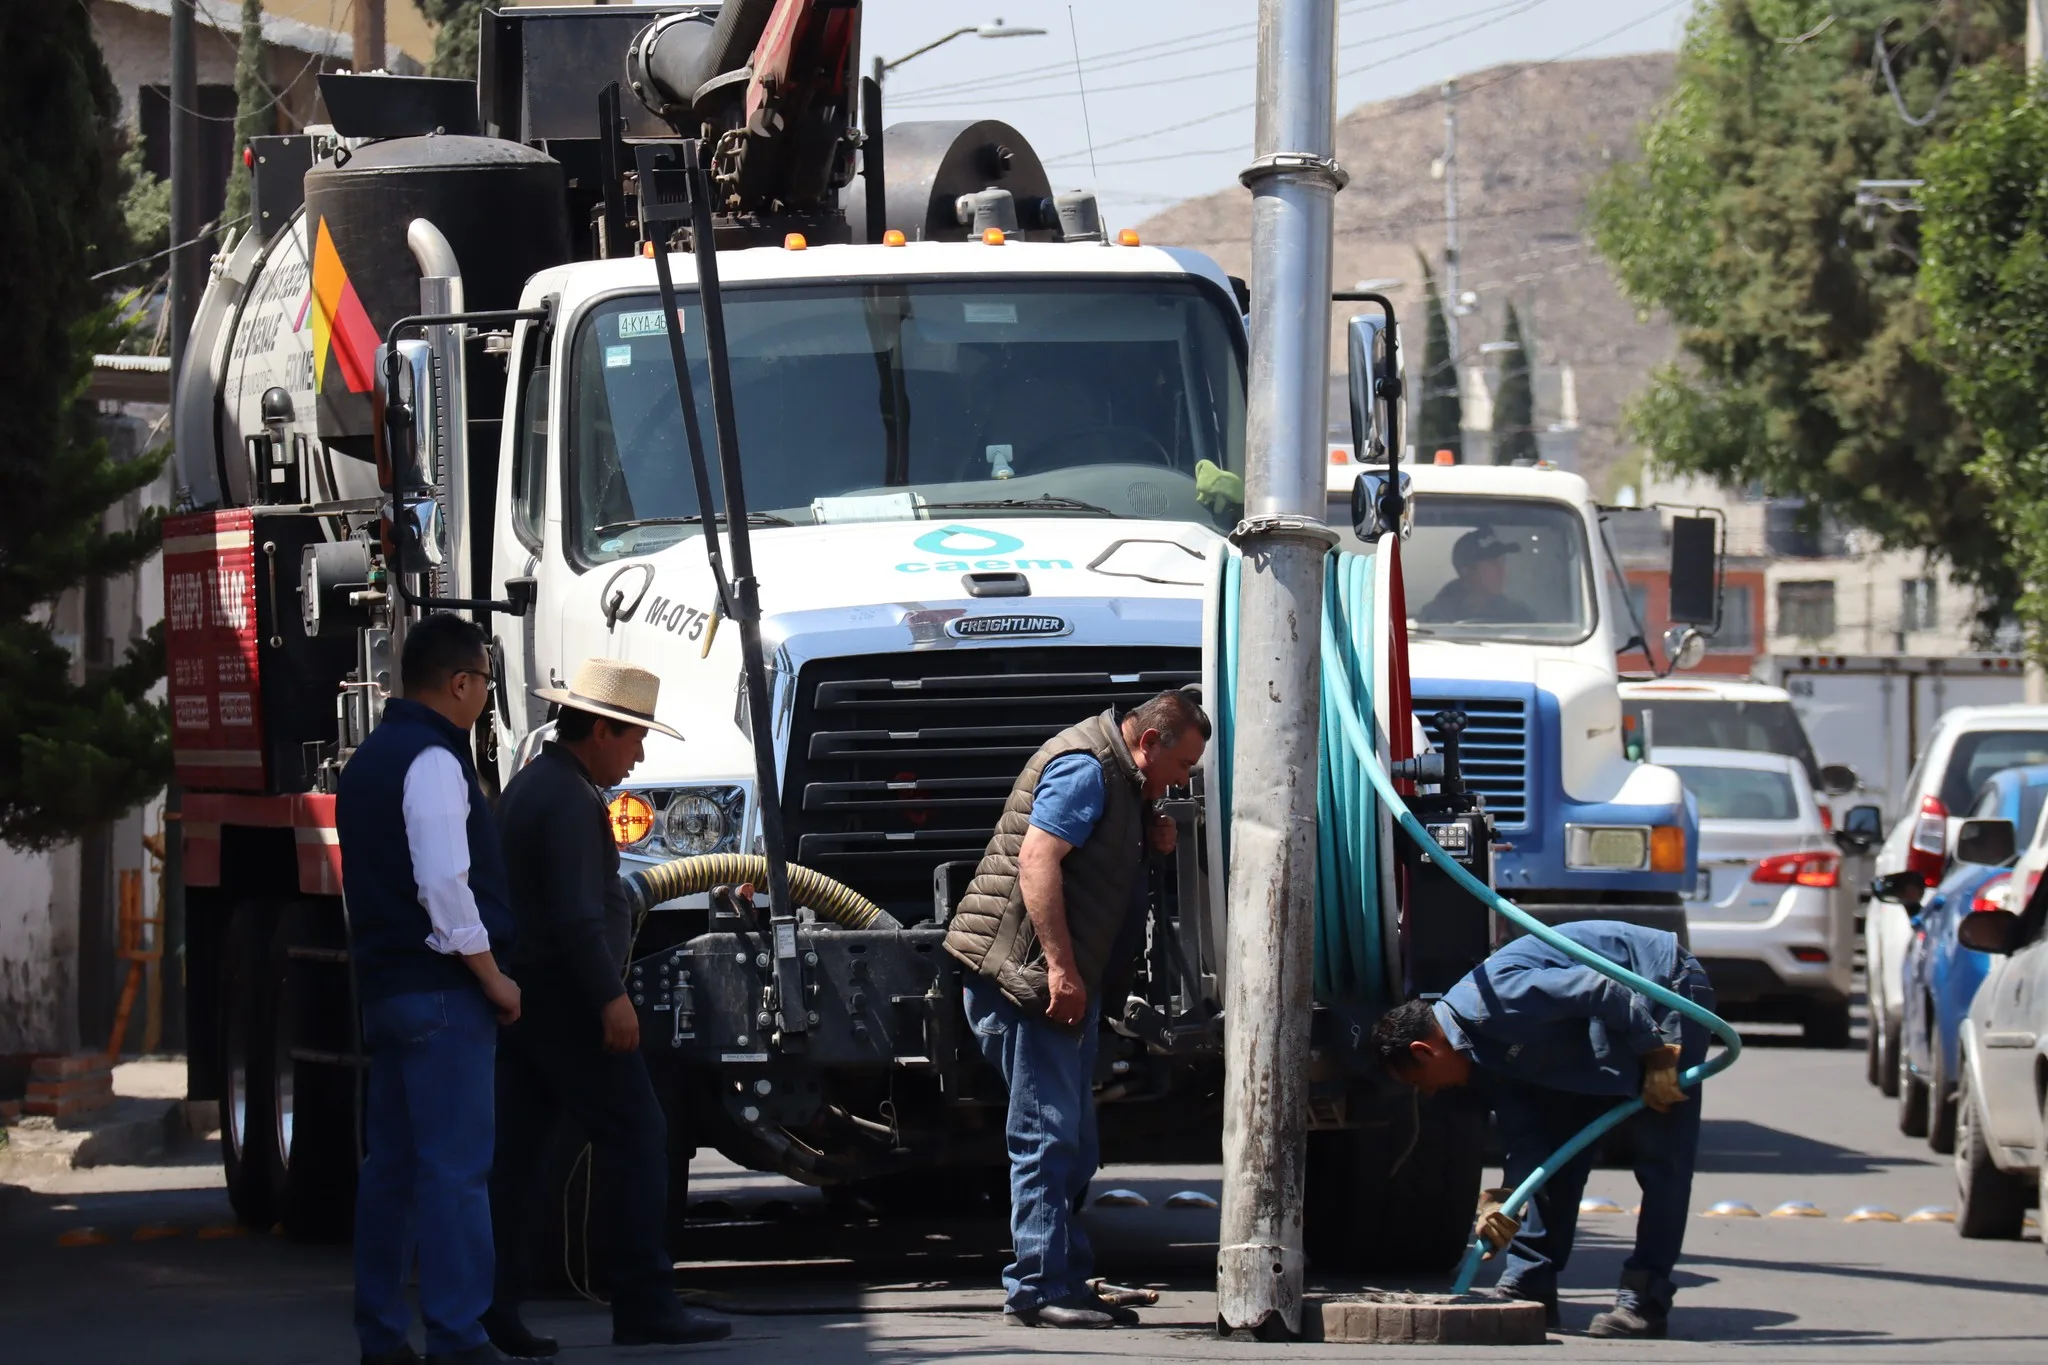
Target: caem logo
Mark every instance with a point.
(967, 540)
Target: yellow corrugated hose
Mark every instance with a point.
(830, 899)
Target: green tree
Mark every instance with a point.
(1984, 278)
(255, 107)
(71, 756)
(1514, 402)
(1804, 363)
(455, 24)
(1440, 416)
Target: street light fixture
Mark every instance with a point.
(993, 29)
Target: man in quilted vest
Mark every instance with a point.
(1055, 911)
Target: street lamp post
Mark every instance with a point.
(994, 29)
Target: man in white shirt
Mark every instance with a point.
(425, 887)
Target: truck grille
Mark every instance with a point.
(901, 762)
(1495, 752)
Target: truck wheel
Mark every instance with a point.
(1397, 1195)
(1912, 1093)
(1989, 1203)
(247, 1140)
(1826, 1024)
(1941, 1099)
(313, 1088)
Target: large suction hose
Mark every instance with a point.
(833, 900)
(1344, 912)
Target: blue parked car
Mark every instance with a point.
(1941, 976)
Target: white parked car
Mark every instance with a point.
(1770, 917)
(1968, 745)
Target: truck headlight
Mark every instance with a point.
(700, 820)
(1607, 848)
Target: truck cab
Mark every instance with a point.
(1515, 620)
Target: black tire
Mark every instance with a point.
(1825, 1023)
(1989, 1203)
(1873, 1053)
(1941, 1096)
(1888, 1059)
(1397, 1195)
(1912, 1093)
(313, 1090)
(248, 1141)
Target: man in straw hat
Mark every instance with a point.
(578, 1045)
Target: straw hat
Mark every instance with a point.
(614, 690)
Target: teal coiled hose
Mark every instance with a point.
(1354, 939)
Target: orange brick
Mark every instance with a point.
(85, 1087)
(70, 1108)
(68, 1066)
(10, 1110)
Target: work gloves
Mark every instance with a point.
(1494, 1225)
(1660, 1079)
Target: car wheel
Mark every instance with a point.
(1989, 1203)
(1941, 1097)
(1826, 1023)
(1873, 1055)
(1912, 1093)
(1887, 1056)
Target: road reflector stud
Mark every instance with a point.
(1598, 1205)
(1871, 1213)
(156, 1232)
(1798, 1208)
(1122, 1199)
(1933, 1213)
(83, 1237)
(1731, 1208)
(1190, 1199)
(214, 1232)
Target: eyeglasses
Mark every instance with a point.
(484, 673)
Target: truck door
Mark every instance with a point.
(519, 544)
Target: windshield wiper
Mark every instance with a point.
(1049, 502)
(753, 519)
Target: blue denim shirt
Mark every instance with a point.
(1531, 1013)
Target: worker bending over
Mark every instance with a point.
(1558, 1044)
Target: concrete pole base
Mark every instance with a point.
(1388, 1318)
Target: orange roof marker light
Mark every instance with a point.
(1339, 455)
(893, 237)
(992, 236)
(1446, 457)
(1128, 237)
(794, 242)
(647, 250)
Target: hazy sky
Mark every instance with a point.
(1170, 83)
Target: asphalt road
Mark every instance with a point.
(1785, 1125)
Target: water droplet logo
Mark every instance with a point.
(967, 540)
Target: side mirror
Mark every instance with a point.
(1864, 820)
(1695, 571)
(1989, 931)
(1375, 387)
(1839, 779)
(1684, 647)
(1986, 842)
(408, 435)
(1900, 888)
(1374, 514)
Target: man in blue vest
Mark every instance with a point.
(428, 912)
(1557, 1045)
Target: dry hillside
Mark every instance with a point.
(1531, 140)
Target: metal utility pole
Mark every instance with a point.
(1294, 182)
(182, 300)
(369, 35)
(1450, 164)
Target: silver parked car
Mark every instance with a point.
(1769, 917)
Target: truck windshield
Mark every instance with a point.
(894, 400)
(1487, 568)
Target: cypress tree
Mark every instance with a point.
(455, 24)
(255, 107)
(1440, 415)
(72, 756)
(1514, 401)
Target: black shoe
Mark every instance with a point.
(1071, 1312)
(673, 1325)
(399, 1355)
(1550, 1313)
(1623, 1321)
(1123, 1315)
(510, 1336)
(483, 1353)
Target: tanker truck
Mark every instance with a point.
(980, 461)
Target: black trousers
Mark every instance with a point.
(552, 1060)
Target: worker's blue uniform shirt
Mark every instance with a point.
(1533, 1014)
(1068, 805)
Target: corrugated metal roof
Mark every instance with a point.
(225, 16)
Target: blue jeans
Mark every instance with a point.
(1052, 1142)
(1535, 1122)
(425, 1185)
